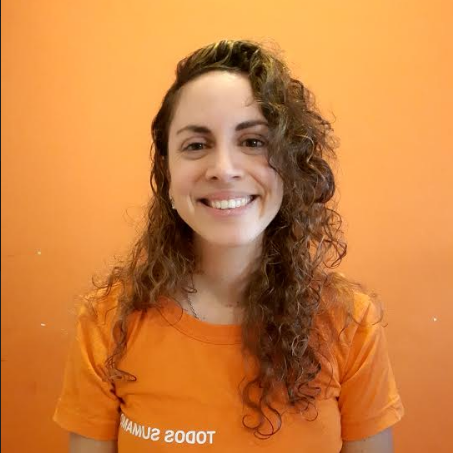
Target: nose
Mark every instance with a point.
(224, 165)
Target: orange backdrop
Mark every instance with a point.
(81, 82)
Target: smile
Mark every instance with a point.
(240, 209)
(232, 203)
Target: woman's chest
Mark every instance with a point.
(192, 399)
(177, 425)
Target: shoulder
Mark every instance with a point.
(368, 398)
(346, 306)
(96, 315)
(108, 317)
(348, 317)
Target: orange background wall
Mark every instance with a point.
(81, 82)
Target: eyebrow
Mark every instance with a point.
(205, 130)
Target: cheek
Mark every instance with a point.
(181, 181)
(273, 183)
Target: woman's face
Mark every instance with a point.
(220, 179)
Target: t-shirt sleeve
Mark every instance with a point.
(88, 405)
(369, 401)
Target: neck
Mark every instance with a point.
(225, 271)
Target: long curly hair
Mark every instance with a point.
(300, 246)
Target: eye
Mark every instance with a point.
(189, 147)
(255, 140)
(198, 146)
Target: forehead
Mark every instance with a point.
(217, 97)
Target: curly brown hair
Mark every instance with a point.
(300, 245)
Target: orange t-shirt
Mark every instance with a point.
(186, 395)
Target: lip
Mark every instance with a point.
(226, 195)
(233, 212)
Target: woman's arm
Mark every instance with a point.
(80, 444)
(380, 443)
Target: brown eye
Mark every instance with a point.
(255, 140)
(189, 147)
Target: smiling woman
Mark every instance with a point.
(228, 168)
(226, 325)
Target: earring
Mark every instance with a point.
(172, 203)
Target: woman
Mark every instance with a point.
(224, 330)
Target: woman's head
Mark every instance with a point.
(277, 165)
(220, 181)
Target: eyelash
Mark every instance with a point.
(247, 139)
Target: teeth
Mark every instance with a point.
(230, 204)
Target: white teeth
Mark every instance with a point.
(230, 204)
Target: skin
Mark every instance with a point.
(80, 444)
(202, 163)
(222, 159)
(379, 443)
